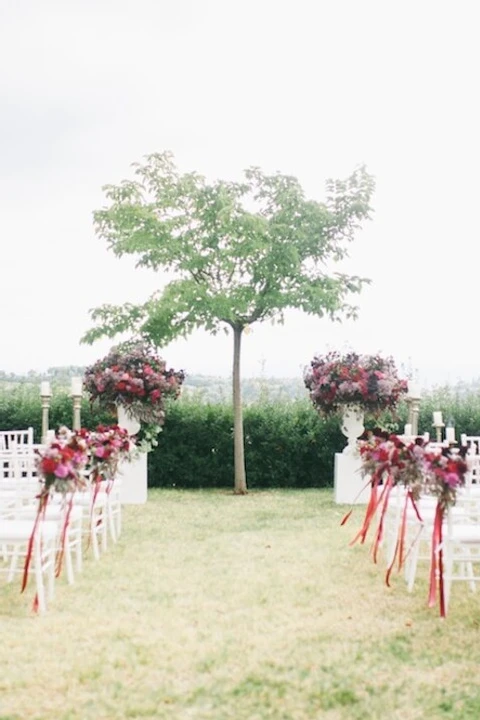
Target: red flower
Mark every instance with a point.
(48, 465)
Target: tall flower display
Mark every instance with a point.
(135, 377)
(369, 382)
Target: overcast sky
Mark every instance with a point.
(307, 87)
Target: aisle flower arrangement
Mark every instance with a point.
(134, 376)
(387, 462)
(107, 445)
(61, 464)
(69, 463)
(367, 381)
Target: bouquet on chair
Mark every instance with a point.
(388, 462)
(60, 465)
(107, 445)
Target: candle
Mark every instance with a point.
(77, 386)
(414, 390)
(407, 430)
(45, 388)
(437, 418)
(450, 434)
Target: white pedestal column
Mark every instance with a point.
(133, 478)
(350, 487)
(133, 475)
(348, 481)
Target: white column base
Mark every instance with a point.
(349, 483)
(133, 481)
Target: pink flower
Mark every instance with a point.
(62, 470)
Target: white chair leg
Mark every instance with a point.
(68, 561)
(78, 548)
(13, 565)
(104, 528)
(111, 520)
(94, 536)
(51, 573)
(39, 586)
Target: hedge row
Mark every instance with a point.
(286, 444)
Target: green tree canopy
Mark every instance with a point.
(240, 252)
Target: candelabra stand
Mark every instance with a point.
(76, 394)
(77, 409)
(439, 431)
(413, 401)
(45, 412)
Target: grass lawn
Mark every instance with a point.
(217, 607)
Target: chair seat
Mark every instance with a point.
(21, 530)
(53, 513)
(465, 533)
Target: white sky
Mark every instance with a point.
(308, 87)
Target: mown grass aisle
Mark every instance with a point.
(217, 607)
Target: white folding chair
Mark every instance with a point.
(94, 517)
(461, 544)
(15, 537)
(9, 438)
(69, 521)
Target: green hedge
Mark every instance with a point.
(286, 443)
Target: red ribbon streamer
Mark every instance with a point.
(66, 522)
(42, 506)
(436, 564)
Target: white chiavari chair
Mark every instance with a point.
(461, 543)
(13, 438)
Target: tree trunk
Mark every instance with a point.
(240, 487)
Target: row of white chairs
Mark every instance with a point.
(460, 533)
(69, 522)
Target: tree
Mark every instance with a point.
(241, 252)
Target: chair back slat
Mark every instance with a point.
(11, 438)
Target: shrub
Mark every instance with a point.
(287, 444)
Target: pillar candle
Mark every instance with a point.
(77, 386)
(414, 390)
(450, 434)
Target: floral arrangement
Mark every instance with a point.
(388, 461)
(369, 381)
(106, 446)
(386, 456)
(74, 456)
(134, 376)
(444, 474)
(413, 465)
(60, 466)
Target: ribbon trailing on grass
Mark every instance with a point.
(42, 508)
(379, 501)
(399, 551)
(63, 540)
(436, 563)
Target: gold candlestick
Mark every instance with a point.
(76, 394)
(45, 397)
